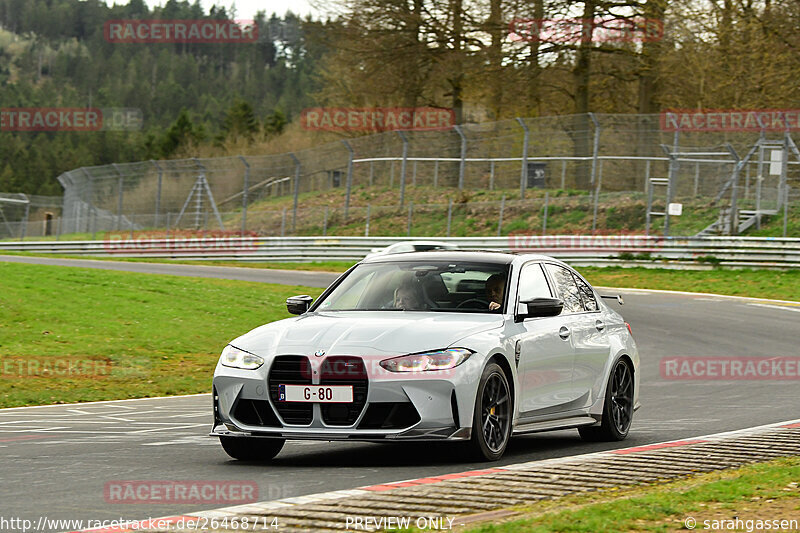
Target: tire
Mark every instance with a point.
(491, 421)
(617, 407)
(250, 448)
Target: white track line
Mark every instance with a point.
(687, 293)
(104, 401)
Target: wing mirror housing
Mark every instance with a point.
(297, 305)
(540, 307)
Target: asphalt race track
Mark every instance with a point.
(57, 460)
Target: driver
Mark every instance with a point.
(408, 298)
(495, 287)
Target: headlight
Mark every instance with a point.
(420, 362)
(236, 358)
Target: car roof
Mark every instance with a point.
(476, 256)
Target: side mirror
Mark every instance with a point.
(297, 305)
(541, 307)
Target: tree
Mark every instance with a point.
(275, 123)
(181, 134)
(240, 121)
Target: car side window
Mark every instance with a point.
(567, 288)
(533, 283)
(587, 295)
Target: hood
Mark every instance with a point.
(365, 333)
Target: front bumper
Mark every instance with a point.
(393, 406)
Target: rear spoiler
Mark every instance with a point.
(618, 298)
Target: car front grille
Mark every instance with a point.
(344, 370)
(290, 370)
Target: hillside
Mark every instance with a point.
(477, 213)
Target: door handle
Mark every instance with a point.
(599, 325)
(563, 332)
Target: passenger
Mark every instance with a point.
(495, 287)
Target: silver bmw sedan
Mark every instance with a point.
(443, 345)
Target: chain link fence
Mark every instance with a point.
(24, 215)
(609, 167)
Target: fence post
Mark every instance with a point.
(491, 176)
(366, 227)
(168, 223)
(673, 177)
(158, 191)
(500, 220)
(414, 175)
(245, 191)
(463, 157)
(544, 218)
(647, 176)
(283, 222)
(597, 197)
(371, 172)
(786, 210)
(349, 178)
(119, 199)
(746, 181)
(296, 192)
(523, 177)
(24, 228)
(449, 215)
(697, 178)
(436, 174)
(410, 214)
(784, 167)
(325, 223)
(595, 146)
(90, 194)
(564, 173)
(403, 167)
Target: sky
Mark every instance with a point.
(246, 9)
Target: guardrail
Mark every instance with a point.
(579, 250)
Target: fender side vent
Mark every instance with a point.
(454, 408)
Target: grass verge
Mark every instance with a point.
(74, 334)
(313, 266)
(766, 491)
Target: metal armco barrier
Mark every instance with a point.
(579, 250)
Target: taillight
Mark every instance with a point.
(629, 328)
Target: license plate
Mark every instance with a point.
(316, 393)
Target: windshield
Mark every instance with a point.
(421, 286)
